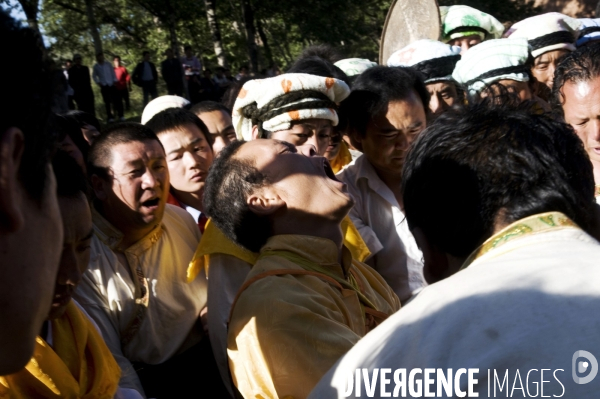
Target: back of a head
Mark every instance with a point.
(319, 66)
(176, 119)
(100, 155)
(83, 118)
(494, 165)
(25, 101)
(582, 65)
(375, 88)
(323, 51)
(209, 106)
(228, 184)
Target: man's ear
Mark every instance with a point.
(265, 202)
(98, 187)
(436, 262)
(355, 139)
(255, 132)
(12, 145)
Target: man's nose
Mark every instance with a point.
(149, 180)
(308, 150)
(434, 104)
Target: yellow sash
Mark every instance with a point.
(79, 366)
(213, 241)
(342, 159)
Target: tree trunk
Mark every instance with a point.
(250, 34)
(89, 10)
(215, 32)
(265, 41)
(31, 8)
(173, 36)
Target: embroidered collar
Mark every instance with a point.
(534, 224)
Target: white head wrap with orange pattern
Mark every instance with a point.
(261, 92)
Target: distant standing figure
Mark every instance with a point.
(145, 76)
(123, 85)
(80, 82)
(172, 73)
(192, 67)
(104, 76)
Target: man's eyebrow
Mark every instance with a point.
(289, 146)
(195, 141)
(89, 235)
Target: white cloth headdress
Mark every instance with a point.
(434, 59)
(354, 66)
(277, 102)
(589, 30)
(461, 21)
(161, 103)
(547, 32)
(492, 61)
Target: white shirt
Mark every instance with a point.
(104, 74)
(382, 225)
(192, 211)
(528, 304)
(109, 291)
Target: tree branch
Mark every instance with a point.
(68, 7)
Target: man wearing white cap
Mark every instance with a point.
(466, 26)
(551, 36)
(500, 61)
(160, 104)
(436, 61)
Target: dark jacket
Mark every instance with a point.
(79, 79)
(136, 77)
(172, 71)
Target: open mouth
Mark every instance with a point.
(151, 203)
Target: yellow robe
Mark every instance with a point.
(342, 159)
(287, 330)
(213, 241)
(79, 366)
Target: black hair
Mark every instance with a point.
(26, 100)
(117, 57)
(315, 65)
(374, 89)
(176, 119)
(582, 65)
(209, 106)
(228, 184)
(83, 118)
(233, 90)
(145, 52)
(323, 51)
(70, 179)
(100, 155)
(186, 48)
(66, 126)
(492, 164)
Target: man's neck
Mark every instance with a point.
(191, 199)
(310, 227)
(393, 181)
(130, 235)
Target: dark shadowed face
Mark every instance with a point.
(77, 225)
(545, 65)
(443, 96)
(220, 126)
(389, 134)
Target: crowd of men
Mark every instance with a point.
(313, 229)
(183, 76)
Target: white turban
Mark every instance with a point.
(161, 103)
(492, 61)
(430, 55)
(547, 32)
(315, 98)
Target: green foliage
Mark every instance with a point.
(128, 27)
